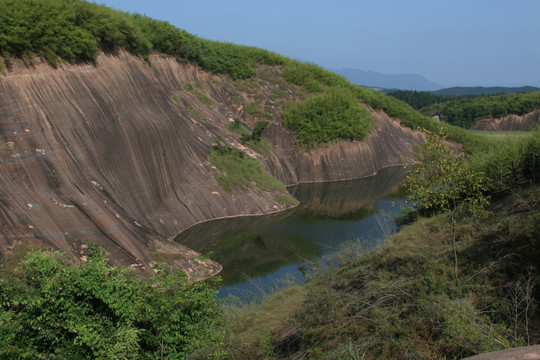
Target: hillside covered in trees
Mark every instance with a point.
(465, 110)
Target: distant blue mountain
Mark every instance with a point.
(388, 81)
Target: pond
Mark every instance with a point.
(259, 253)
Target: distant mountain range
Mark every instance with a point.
(389, 82)
(374, 79)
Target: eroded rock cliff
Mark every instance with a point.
(509, 123)
(117, 154)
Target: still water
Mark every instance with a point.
(259, 252)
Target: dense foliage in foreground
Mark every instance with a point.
(51, 308)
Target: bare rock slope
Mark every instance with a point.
(509, 123)
(117, 154)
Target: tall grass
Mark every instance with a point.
(241, 171)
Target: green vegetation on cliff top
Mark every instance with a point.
(77, 31)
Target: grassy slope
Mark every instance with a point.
(400, 301)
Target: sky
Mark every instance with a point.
(450, 42)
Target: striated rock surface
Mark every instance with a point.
(509, 123)
(117, 154)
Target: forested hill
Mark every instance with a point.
(481, 90)
(465, 112)
(422, 99)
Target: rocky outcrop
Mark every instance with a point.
(509, 123)
(117, 154)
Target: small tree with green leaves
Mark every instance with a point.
(443, 182)
(256, 134)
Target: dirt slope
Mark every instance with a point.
(117, 154)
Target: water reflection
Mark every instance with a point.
(249, 247)
(329, 215)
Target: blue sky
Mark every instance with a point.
(450, 42)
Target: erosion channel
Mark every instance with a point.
(259, 252)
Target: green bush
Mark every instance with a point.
(55, 309)
(326, 118)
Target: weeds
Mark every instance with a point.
(241, 171)
(197, 114)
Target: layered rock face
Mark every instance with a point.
(117, 154)
(509, 123)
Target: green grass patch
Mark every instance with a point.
(277, 93)
(175, 98)
(312, 78)
(285, 199)
(166, 257)
(236, 127)
(255, 109)
(199, 115)
(501, 135)
(204, 99)
(262, 146)
(265, 75)
(247, 86)
(241, 171)
(251, 327)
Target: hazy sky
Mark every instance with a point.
(451, 42)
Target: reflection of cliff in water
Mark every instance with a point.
(329, 214)
(347, 200)
(247, 247)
